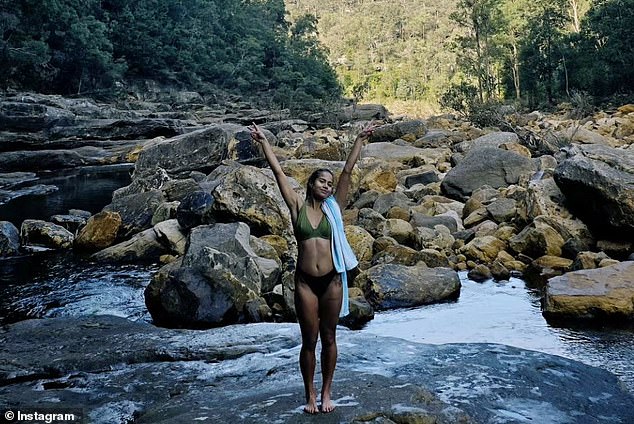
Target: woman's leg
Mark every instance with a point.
(329, 307)
(306, 307)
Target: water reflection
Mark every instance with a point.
(89, 188)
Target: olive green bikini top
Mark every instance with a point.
(304, 229)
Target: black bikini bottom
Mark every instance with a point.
(317, 284)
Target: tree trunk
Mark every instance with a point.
(516, 72)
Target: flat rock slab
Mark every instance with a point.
(116, 371)
(592, 294)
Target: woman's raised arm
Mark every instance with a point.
(343, 185)
(290, 197)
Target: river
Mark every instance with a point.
(64, 284)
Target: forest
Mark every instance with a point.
(303, 53)
(533, 52)
(90, 47)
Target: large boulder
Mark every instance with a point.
(249, 194)
(200, 150)
(598, 182)
(218, 282)
(486, 166)
(392, 286)
(596, 294)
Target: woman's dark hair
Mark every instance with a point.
(313, 177)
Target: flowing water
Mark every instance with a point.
(64, 284)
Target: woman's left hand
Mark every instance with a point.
(368, 130)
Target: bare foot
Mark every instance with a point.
(311, 404)
(326, 404)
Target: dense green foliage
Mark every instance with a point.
(474, 53)
(76, 46)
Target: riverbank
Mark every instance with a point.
(249, 373)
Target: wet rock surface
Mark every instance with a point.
(248, 373)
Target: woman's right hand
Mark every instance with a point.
(256, 133)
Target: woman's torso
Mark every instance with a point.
(313, 241)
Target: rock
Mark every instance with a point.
(9, 239)
(422, 178)
(384, 202)
(406, 130)
(99, 232)
(433, 258)
(392, 286)
(360, 313)
(480, 273)
(537, 239)
(196, 209)
(361, 242)
(420, 220)
(397, 254)
(545, 267)
(278, 243)
(616, 249)
(484, 249)
(492, 140)
(438, 237)
(592, 294)
(363, 112)
(406, 154)
(71, 222)
(379, 180)
(171, 235)
(178, 189)
(200, 150)
(587, 260)
(138, 372)
(372, 221)
(218, 282)
(32, 117)
(119, 129)
(499, 271)
(136, 211)
(25, 160)
(35, 232)
(598, 183)
(143, 246)
(400, 230)
(246, 193)
(486, 166)
(502, 210)
(165, 211)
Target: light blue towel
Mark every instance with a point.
(342, 255)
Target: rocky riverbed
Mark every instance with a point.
(430, 198)
(115, 370)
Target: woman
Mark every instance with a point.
(324, 255)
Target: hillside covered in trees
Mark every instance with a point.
(533, 51)
(89, 46)
(303, 53)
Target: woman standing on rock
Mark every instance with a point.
(324, 255)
